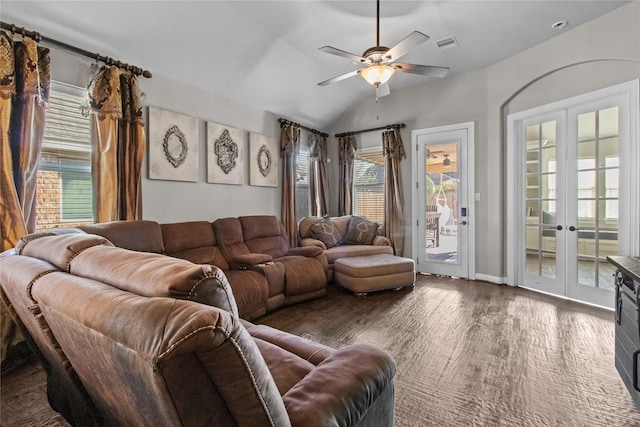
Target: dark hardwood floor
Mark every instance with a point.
(467, 354)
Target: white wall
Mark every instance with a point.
(582, 59)
(454, 100)
(598, 54)
(173, 201)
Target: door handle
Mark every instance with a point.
(572, 228)
(558, 227)
(464, 223)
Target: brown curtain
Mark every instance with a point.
(318, 177)
(131, 146)
(393, 199)
(347, 155)
(24, 93)
(289, 145)
(118, 145)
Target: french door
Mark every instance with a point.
(443, 172)
(575, 186)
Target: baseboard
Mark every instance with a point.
(492, 279)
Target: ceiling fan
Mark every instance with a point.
(380, 62)
(432, 154)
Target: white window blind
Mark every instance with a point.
(65, 189)
(368, 185)
(303, 205)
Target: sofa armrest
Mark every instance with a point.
(310, 351)
(308, 241)
(308, 251)
(248, 260)
(381, 241)
(365, 373)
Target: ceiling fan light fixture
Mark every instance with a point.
(377, 75)
(447, 161)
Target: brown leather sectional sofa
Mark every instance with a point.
(135, 337)
(252, 251)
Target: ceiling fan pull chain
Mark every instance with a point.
(378, 23)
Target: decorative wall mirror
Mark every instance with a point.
(264, 160)
(227, 151)
(175, 146)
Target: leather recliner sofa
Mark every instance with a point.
(249, 240)
(261, 281)
(379, 245)
(151, 340)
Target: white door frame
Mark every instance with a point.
(469, 203)
(629, 244)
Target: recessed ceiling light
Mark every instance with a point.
(559, 25)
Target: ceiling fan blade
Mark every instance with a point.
(425, 70)
(412, 40)
(339, 78)
(384, 90)
(335, 51)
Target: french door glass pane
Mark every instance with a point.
(540, 199)
(597, 182)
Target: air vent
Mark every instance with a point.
(447, 42)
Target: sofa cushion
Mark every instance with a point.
(355, 250)
(304, 225)
(263, 234)
(141, 236)
(228, 232)
(155, 275)
(193, 241)
(287, 369)
(302, 275)
(181, 236)
(60, 249)
(360, 232)
(250, 291)
(326, 231)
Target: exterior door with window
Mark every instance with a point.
(573, 162)
(442, 220)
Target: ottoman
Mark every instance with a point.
(364, 274)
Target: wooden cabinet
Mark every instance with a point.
(627, 331)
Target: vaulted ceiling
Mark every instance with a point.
(265, 53)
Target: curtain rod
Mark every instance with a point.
(284, 122)
(107, 60)
(393, 126)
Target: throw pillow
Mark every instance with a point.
(325, 231)
(360, 231)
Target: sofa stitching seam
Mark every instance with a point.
(313, 354)
(33, 282)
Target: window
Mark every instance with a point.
(611, 175)
(303, 206)
(368, 185)
(64, 196)
(587, 187)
